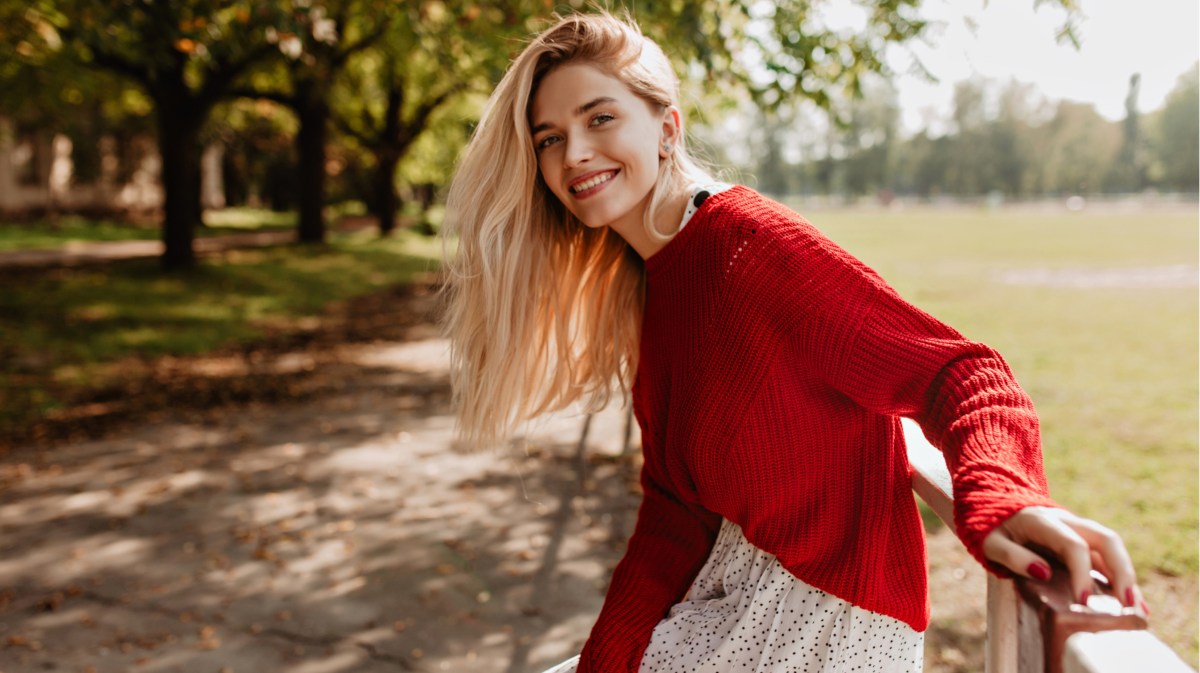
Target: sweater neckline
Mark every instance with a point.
(671, 251)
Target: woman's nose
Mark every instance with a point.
(577, 151)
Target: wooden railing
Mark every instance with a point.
(1035, 627)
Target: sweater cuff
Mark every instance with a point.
(975, 524)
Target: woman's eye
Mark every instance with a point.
(546, 142)
(602, 118)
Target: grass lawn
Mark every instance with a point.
(1111, 366)
(63, 327)
(41, 234)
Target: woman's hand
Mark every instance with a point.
(1081, 544)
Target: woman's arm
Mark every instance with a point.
(670, 544)
(893, 358)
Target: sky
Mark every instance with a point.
(1011, 39)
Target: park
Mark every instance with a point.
(226, 433)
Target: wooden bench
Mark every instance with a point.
(1034, 627)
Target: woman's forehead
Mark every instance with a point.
(564, 91)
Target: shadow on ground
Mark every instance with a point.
(288, 362)
(344, 532)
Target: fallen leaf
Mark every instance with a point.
(210, 644)
(52, 602)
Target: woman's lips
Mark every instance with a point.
(592, 184)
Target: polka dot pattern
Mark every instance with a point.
(699, 194)
(746, 612)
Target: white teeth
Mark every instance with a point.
(588, 184)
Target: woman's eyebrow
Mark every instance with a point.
(582, 109)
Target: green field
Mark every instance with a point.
(1102, 333)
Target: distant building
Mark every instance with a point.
(41, 171)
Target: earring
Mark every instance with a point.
(666, 148)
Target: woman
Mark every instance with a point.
(768, 370)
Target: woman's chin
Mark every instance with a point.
(592, 221)
(599, 220)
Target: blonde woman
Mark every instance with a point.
(768, 370)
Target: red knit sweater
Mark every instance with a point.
(773, 369)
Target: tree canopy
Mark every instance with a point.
(385, 93)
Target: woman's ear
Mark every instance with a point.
(672, 125)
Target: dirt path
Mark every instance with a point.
(343, 531)
(101, 252)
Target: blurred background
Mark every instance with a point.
(225, 433)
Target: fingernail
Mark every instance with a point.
(1145, 608)
(1083, 597)
(1129, 599)
(1038, 571)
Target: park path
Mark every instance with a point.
(343, 533)
(78, 253)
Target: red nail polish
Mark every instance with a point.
(1145, 608)
(1038, 571)
(1083, 597)
(1129, 600)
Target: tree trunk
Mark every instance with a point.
(313, 113)
(387, 156)
(385, 201)
(179, 149)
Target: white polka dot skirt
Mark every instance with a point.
(746, 612)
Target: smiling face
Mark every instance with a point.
(598, 145)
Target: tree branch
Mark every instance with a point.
(280, 97)
(108, 60)
(345, 127)
(120, 65)
(421, 116)
(219, 82)
(362, 43)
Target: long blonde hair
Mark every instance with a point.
(541, 310)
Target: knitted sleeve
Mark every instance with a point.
(669, 545)
(892, 358)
